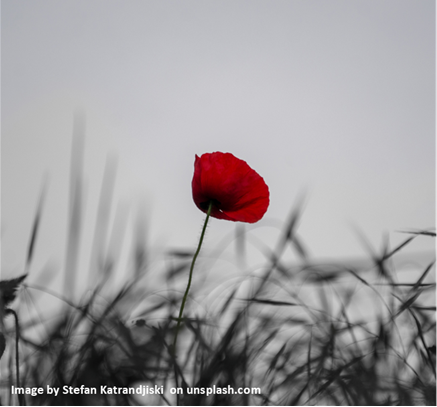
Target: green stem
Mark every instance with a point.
(181, 311)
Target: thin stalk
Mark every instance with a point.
(21, 399)
(184, 300)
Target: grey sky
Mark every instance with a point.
(333, 97)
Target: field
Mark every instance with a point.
(301, 333)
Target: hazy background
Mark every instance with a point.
(335, 98)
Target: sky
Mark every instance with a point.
(330, 100)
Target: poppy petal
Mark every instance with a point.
(238, 192)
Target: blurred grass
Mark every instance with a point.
(305, 333)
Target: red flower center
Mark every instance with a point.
(204, 205)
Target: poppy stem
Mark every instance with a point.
(181, 311)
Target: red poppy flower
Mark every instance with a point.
(238, 193)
